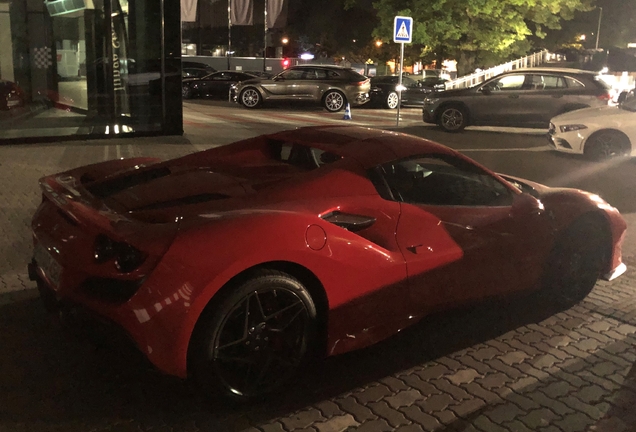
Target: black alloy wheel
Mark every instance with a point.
(577, 259)
(257, 338)
(452, 118)
(606, 145)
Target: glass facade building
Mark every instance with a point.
(89, 68)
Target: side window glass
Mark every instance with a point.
(512, 82)
(552, 82)
(572, 83)
(509, 82)
(310, 74)
(293, 74)
(444, 181)
(408, 82)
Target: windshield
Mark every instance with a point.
(629, 103)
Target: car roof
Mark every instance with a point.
(321, 66)
(554, 70)
(370, 147)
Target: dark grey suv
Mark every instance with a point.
(523, 97)
(331, 86)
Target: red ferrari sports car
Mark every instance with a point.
(236, 264)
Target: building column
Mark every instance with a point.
(6, 45)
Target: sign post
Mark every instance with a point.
(402, 33)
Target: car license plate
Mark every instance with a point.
(12, 103)
(51, 268)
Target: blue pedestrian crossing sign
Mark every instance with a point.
(402, 29)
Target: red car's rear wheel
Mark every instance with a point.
(257, 337)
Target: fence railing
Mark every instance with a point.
(529, 61)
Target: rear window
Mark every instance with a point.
(357, 76)
(301, 156)
(601, 83)
(573, 83)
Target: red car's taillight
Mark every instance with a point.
(127, 258)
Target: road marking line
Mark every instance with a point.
(526, 149)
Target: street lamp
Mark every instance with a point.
(284, 40)
(598, 32)
(378, 43)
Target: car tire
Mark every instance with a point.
(577, 260)
(256, 338)
(392, 100)
(250, 98)
(186, 92)
(452, 118)
(334, 101)
(607, 144)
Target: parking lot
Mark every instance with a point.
(516, 364)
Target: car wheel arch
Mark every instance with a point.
(305, 276)
(597, 219)
(605, 130)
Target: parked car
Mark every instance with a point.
(600, 133)
(194, 72)
(216, 84)
(331, 86)
(11, 95)
(384, 90)
(258, 255)
(525, 98)
(192, 69)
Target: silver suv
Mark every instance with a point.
(331, 86)
(525, 97)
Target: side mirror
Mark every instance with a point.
(486, 90)
(622, 97)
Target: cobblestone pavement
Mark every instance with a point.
(511, 365)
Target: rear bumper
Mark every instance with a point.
(360, 99)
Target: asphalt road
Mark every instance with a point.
(518, 364)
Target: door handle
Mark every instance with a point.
(416, 248)
(556, 96)
(514, 96)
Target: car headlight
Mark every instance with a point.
(400, 88)
(572, 127)
(430, 101)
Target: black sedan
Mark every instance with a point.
(384, 90)
(215, 85)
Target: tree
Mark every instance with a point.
(475, 31)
